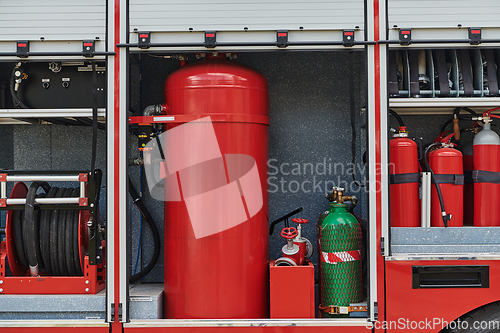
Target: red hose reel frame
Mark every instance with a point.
(92, 281)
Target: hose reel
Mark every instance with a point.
(52, 231)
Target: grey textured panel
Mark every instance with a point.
(146, 301)
(445, 240)
(443, 13)
(56, 147)
(52, 19)
(200, 15)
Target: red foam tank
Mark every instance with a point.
(447, 161)
(405, 206)
(224, 274)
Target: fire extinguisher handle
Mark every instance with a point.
(289, 233)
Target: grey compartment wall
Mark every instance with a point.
(52, 19)
(443, 13)
(310, 124)
(228, 15)
(57, 147)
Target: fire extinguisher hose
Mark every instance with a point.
(156, 235)
(398, 117)
(446, 217)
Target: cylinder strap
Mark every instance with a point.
(336, 309)
(456, 179)
(404, 178)
(336, 257)
(481, 176)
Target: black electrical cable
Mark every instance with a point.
(446, 217)
(353, 117)
(156, 235)
(398, 117)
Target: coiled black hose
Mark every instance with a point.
(156, 235)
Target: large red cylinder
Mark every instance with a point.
(486, 195)
(225, 274)
(447, 161)
(405, 208)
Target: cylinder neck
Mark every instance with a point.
(337, 208)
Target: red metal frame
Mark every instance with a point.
(251, 329)
(93, 280)
(421, 305)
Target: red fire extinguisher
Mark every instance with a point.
(446, 166)
(404, 174)
(486, 161)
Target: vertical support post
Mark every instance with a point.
(111, 112)
(122, 160)
(378, 171)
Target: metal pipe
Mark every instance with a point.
(33, 178)
(438, 41)
(42, 201)
(54, 54)
(3, 190)
(234, 44)
(82, 189)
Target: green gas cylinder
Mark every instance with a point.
(339, 248)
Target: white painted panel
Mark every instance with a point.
(227, 15)
(52, 20)
(443, 13)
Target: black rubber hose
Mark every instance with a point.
(45, 233)
(31, 224)
(76, 244)
(156, 235)
(461, 116)
(446, 217)
(17, 224)
(61, 236)
(54, 224)
(68, 237)
(443, 128)
(397, 116)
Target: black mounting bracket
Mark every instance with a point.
(282, 38)
(88, 50)
(405, 36)
(23, 47)
(348, 38)
(210, 39)
(475, 36)
(144, 40)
